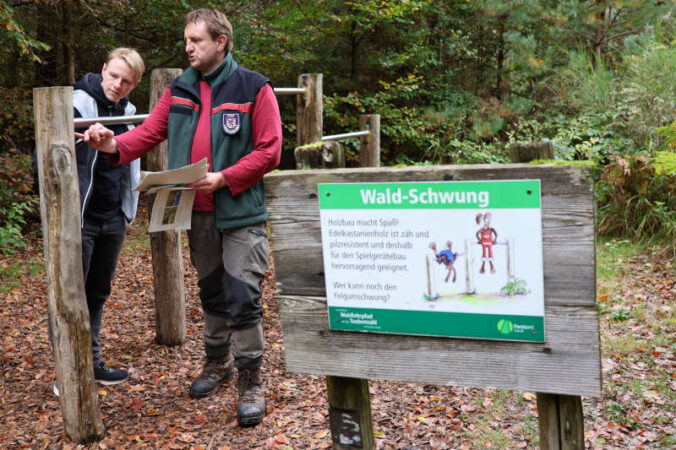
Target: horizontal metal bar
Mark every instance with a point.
(337, 137)
(121, 120)
(116, 120)
(289, 91)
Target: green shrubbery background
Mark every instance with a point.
(455, 82)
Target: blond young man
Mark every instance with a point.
(106, 197)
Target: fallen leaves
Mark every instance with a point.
(154, 410)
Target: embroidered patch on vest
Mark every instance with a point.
(231, 123)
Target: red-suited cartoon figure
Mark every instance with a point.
(487, 237)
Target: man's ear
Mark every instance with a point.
(222, 41)
(103, 69)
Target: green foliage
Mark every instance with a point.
(668, 132)
(516, 286)
(12, 32)
(665, 163)
(11, 237)
(635, 99)
(16, 120)
(18, 203)
(621, 315)
(635, 201)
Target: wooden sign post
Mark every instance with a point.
(60, 212)
(565, 366)
(166, 245)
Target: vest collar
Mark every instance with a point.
(221, 73)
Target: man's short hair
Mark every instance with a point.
(216, 22)
(131, 57)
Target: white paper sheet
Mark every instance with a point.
(172, 208)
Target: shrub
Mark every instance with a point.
(19, 206)
(637, 202)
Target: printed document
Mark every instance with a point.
(172, 208)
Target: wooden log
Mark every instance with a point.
(561, 422)
(170, 328)
(369, 146)
(61, 225)
(569, 362)
(350, 413)
(309, 110)
(529, 151)
(320, 155)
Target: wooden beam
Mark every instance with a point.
(170, 328)
(369, 146)
(61, 226)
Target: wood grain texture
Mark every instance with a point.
(350, 413)
(310, 109)
(567, 363)
(170, 328)
(561, 422)
(60, 212)
(369, 146)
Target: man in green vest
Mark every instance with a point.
(223, 112)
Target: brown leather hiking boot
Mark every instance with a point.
(251, 402)
(214, 372)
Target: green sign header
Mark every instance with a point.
(431, 195)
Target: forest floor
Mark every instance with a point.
(153, 409)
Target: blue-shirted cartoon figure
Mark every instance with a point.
(447, 258)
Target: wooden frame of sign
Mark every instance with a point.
(568, 363)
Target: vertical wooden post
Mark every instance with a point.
(350, 410)
(561, 422)
(309, 110)
(61, 227)
(369, 146)
(350, 413)
(166, 245)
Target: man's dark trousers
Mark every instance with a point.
(102, 241)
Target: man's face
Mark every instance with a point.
(118, 79)
(204, 53)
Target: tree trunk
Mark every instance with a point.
(68, 44)
(599, 35)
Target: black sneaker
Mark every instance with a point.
(107, 375)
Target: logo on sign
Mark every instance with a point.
(231, 123)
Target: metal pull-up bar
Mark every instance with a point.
(139, 118)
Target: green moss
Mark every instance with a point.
(313, 145)
(665, 162)
(557, 162)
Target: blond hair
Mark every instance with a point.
(131, 57)
(216, 22)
